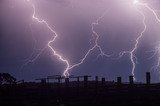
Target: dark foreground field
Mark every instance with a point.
(82, 94)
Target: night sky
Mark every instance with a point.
(22, 38)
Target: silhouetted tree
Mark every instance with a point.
(6, 78)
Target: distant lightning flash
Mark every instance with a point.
(68, 66)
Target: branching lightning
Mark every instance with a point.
(96, 45)
(55, 35)
(102, 53)
(131, 53)
(133, 58)
(49, 42)
(157, 48)
(156, 52)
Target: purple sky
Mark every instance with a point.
(21, 36)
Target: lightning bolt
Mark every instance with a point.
(96, 45)
(157, 48)
(96, 37)
(55, 35)
(102, 53)
(133, 57)
(155, 53)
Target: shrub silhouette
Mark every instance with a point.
(6, 78)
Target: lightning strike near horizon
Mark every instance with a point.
(96, 36)
(49, 42)
(68, 66)
(133, 57)
(157, 48)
